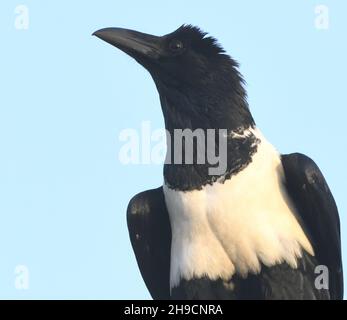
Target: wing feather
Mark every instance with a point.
(150, 235)
(318, 213)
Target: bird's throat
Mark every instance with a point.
(203, 156)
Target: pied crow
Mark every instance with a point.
(262, 229)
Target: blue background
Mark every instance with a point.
(65, 97)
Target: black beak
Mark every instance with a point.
(136, 44)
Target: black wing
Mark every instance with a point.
(318, 213)
(150, 235)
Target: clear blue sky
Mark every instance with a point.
(65, 97)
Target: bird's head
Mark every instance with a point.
(199, 84)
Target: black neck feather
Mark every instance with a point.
(215, 100)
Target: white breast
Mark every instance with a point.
(230, 228)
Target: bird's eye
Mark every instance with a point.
(176, 46)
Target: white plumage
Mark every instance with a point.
(232, 227)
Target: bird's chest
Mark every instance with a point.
(233, 227)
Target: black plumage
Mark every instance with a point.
(200, 87)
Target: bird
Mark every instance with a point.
(262, 229)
